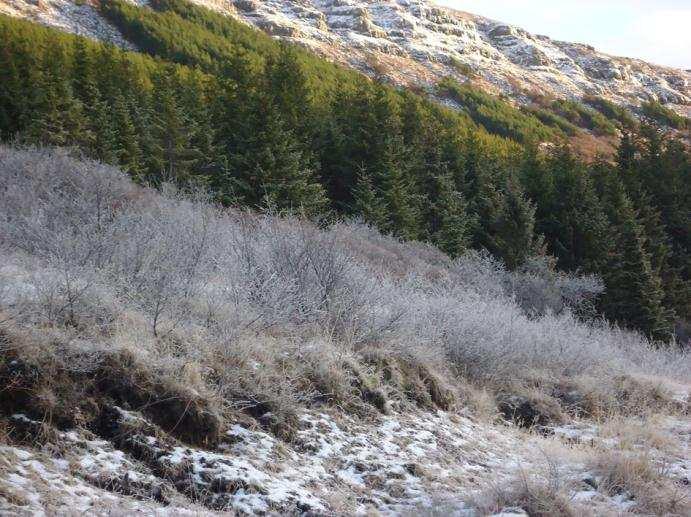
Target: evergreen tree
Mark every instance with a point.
(58, 117)
(576, 227)
(402, 202)
(13, 105)
(289, 92)
(272, 171)
(513, 230)
(84, 82)
(369, 203)
(105, 140)
(634, 293)
(174, 156)
(127, 148)
(449, 221)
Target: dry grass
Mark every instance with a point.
(539, 494)
(644, 480)
(633, 433)
(539, 397)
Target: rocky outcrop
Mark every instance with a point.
(420, 43)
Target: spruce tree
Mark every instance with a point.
(512, 235)
(13, 98)
(174, 156)
(369, 203)
(403, 203)
(58, 117)
(576, 227)
(127, 148)
(270, 170)
(449, 219)
(634, 295)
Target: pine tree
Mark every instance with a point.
(538, 181)
(13, 105)
(202, 101)
(83, 73)
(105, 141)
(288, 91)
(449, 220)
(577, 227)
(271, 170)
(369, 203)
(627, 160)
(402, 202)
(174, 156)
(513, 230)
(127, 148)
(58, 117)
(634, 293)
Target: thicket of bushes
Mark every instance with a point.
(597, 115)
(497, 116)
(612, 111)
(268, 313)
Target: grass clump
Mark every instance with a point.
(544, 493)
(644, 481)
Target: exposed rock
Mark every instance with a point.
(420, 43)
(277, 29)
(247, 5)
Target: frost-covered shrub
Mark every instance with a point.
(88, 248)
(540, 289)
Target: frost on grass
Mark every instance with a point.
(413, 464)
(336, 464)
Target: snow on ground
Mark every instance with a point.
(337, 465)
(35, 484)
(80, 18)
(429, 41)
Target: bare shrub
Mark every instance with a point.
(182, 281)
(540, 289)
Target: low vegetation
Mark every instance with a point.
(661, 114)
(612, 111)
(583, 115)
(551, 119)
(495, 115)
(190, 312)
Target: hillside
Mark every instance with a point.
(164, 355)
(415, 43)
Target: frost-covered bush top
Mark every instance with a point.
(82, 244)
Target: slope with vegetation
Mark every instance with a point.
(160, 353)
(267, 125)
(415, 43)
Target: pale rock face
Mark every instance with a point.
(65, 15)
(414, 42)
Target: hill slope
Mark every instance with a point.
(160, 355)
(414, 42)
